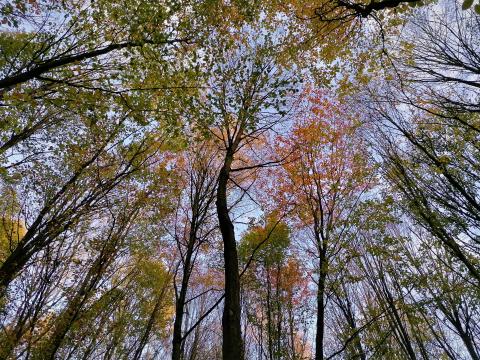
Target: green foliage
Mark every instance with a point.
(268, 244)
(12, 228)
(467, 4)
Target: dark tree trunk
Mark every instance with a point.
(232, 347)
(348, 312)
(70, 315)
(9, 269)
(320, 307)
(467, 340)
(180, 304)
(270, 334)
(396, 318)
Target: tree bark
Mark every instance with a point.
(320, 307)
(232, 347)
(180, 304)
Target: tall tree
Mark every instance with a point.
(429, 121)
(196, 218)
(323, 182)
(244, 102)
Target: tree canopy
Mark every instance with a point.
(239, 179)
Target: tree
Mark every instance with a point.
(323, 182)
(244, 101)
(265, 273)
(51, 310)
(272, 290)
(78, 191)
(431, 152)
(200, 182)
(56, 54)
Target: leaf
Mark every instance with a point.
(467, 4)
(477, 8)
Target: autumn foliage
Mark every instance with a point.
(236, 180)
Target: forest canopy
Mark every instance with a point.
(240, 179)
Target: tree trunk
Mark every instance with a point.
(270, 335)
(151, 322)
(320, 307)
(467, 340)
(180, 304)
(232, 347)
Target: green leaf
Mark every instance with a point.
(477, 8)
(467, 4)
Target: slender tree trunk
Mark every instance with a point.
(291, 328)
(232, 347)
(279, 351)
(12, 265)
(74, 308)
(177, 325)
(320, 307)
(180, 304)
(467, 340)
(151, 322)
(353, 325)
(270, 334)
(396, 318)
